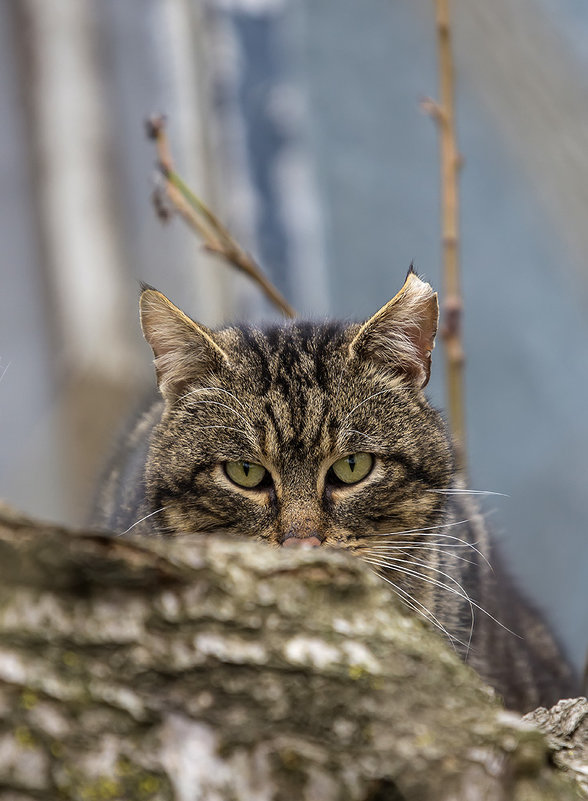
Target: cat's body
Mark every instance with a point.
(320, 434)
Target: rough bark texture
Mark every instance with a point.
(566, 727)
(213, 669)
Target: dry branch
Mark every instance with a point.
(214, 234)
(444, 115)
(205, 668)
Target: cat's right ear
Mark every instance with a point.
(185, 352)
(401, 336)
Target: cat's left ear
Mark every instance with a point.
(185, 352)
(401, 335)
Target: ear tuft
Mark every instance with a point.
(401, 336)
(185, 352)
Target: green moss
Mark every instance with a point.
(28, 699)
(24, 737)
(357, 672)
(148, 786)
(102, 789)
(56, 749)
(124, 767)
(70, 659)
(129, 782)
(424, 740)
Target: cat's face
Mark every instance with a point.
(302, 433)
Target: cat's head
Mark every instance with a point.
(297, 433)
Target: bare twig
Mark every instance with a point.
(443, 113)
(217, 239)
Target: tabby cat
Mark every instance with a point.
(320, 434)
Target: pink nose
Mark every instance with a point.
(305, 542)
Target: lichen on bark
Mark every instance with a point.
(213, 668)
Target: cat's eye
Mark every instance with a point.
(351, 469)
(246, 474)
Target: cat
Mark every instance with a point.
(320, 434)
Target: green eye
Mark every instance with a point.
(353, 468)
(245, 474)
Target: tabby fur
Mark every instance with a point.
(295, 398)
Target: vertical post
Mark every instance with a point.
(82, 257)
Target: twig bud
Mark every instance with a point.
(154, 125)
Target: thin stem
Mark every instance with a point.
(215, 236)
(444, 114)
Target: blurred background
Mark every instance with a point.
(298, 121)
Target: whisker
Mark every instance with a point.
(249, 435)
(465, 543)
(410, 601)
(246, 434)
(213, 389)
(419, 563)
(136, 523)
(415, 543)
(393, 563)
(225, 406)
(349, 431)
(419, 547)
(399, 565)
(440, 584)
(419, 530)
(424, 532)
(467, 492)
(369, 397)
(5, 370)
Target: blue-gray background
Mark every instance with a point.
(299, 121)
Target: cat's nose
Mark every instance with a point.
(305, 542)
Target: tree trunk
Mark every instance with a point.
(203, 668)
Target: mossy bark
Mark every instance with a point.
(210, 668)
